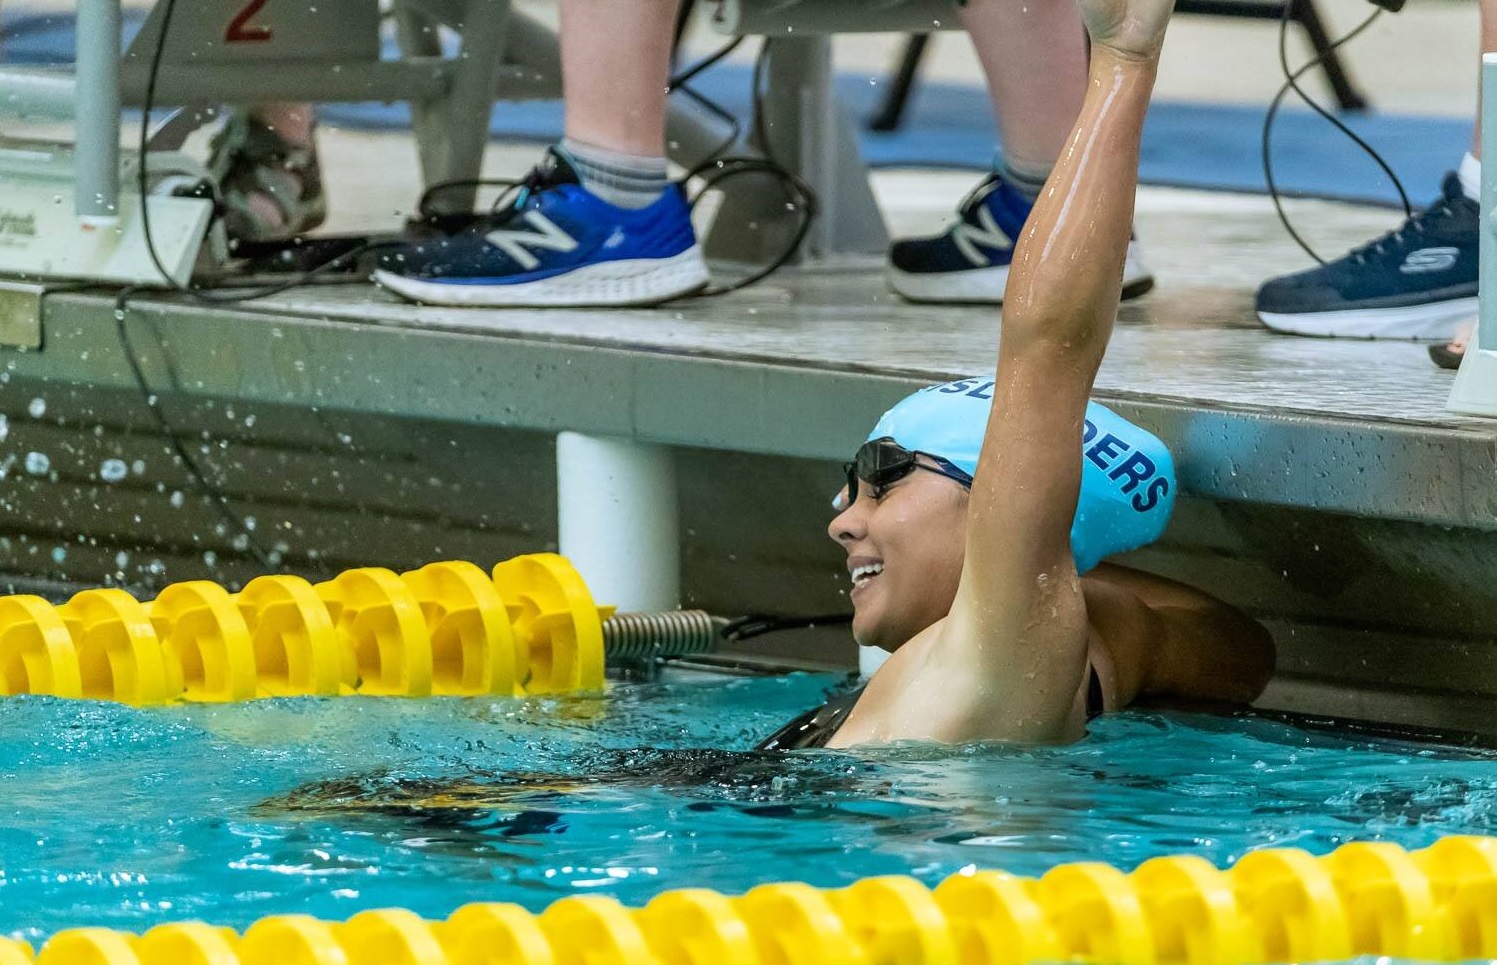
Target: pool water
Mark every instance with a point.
(127, 818)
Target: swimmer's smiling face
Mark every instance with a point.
(905, 544)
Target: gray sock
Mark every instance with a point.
(1025, 177)
(623, 180)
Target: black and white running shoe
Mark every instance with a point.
(969, 262)
(1418, 282)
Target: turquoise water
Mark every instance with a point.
(127, 818)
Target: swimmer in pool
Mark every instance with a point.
(967, 533)
(968, 568)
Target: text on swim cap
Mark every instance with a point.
(982, 391)
(1137, 469)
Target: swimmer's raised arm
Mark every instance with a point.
(1010, 659)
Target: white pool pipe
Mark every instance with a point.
(618, 519)
(870, 659)
(98, 128)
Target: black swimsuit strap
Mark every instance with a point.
(1094, 705)
(815, 727)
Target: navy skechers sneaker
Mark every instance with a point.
(557, 245)
(1418, 282)
(969, 263)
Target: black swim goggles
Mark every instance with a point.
(882, 462)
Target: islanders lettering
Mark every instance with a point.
(1135, 471)
(1137, 474)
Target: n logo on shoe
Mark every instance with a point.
(988, 234)
(546, 235)
(1428, 260)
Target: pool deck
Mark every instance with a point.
(802, 364)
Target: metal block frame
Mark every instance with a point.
(233, 51)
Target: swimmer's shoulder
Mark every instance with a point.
(909, 697)
(914, 695)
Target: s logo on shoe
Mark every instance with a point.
(546, 235)
(1428, 260)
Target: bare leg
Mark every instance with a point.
(266, 163)
(1488, 46)
(292, 121)
(615, 61)
(1034, 53)
(1457, 345)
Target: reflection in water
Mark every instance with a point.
(487, 803)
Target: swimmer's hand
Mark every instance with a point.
(1132, 29)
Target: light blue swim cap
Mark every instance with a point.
(1127, 474)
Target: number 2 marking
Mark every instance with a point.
(241, 31)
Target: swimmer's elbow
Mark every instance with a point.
(1259, 657)
(1213, 653)
(1245, 655)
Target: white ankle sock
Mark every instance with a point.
(1470, 174)
(1026, 177)
(623, 180)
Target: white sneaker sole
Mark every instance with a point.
(631, 282)
(985, 286)
(1433, 322)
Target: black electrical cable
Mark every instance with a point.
(153, 404)
(799, 194)
(1291, 83)
(122, 303)
(685, 76)
(716, 110)
(749, 627)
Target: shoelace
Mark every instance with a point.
(1411, 228)
(514, 198)
(979, 192)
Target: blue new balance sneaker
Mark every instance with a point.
(969, 262)
(557, 245)
(1418, 282)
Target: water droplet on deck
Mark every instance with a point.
(113, 470)
(37, 463)
(37, 407)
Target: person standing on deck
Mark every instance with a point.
(601, 224)
(1418, 281)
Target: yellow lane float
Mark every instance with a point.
(449, 629)
(1277, 905)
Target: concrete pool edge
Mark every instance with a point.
(1392, 468)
